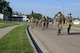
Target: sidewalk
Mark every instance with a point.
(4, 31)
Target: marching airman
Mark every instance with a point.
(59, 21)
(69, 22)
(32, 21)
(43, 21)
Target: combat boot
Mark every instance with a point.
(68, 30)
(58, 32)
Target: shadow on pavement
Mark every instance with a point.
(72, 33)
(75, 33)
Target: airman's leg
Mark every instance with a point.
(69, 28)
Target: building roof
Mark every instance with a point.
(17, 17)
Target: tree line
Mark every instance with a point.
(5, 8)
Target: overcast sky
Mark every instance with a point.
(47, 7)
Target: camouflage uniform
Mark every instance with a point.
(43, 21)
(40, 23)
(32, 20)
(36, 22)
(69, 22)
(59, 21)
(47, 22)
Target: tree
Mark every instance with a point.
(0, 6)
(29, 16)
(51, 20)
(55, 16)
(35, 15)
(15, 13)
(10, 11)
(32, 12)
(5, 4)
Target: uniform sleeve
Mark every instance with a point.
(62, 19)
(66, 19)
(30, 19)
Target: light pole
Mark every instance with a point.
(62, 1)
(63, 5)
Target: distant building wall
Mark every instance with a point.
(25, 18)
(76, 22)
(13, 18)
(6, 17)
(1, 16)
(17, 19)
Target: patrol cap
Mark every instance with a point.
(59, 12)
(69, 13)
(44, 17)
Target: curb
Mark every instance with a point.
(33, 41)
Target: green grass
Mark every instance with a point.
(16, 41)
(4, 24)
(76, 26)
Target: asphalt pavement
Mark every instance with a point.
(50, 42)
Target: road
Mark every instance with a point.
(53, 43)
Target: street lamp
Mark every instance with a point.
(62, 4)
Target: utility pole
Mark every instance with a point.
(63, 5)
(62, 1)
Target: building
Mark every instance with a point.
(77, 22)
(1, 16)
(25, 18)
(14, 17)
(19, 18)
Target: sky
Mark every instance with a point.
(47, 7)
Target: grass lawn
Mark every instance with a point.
(76, 26)
(7, 23)
(16, 41)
